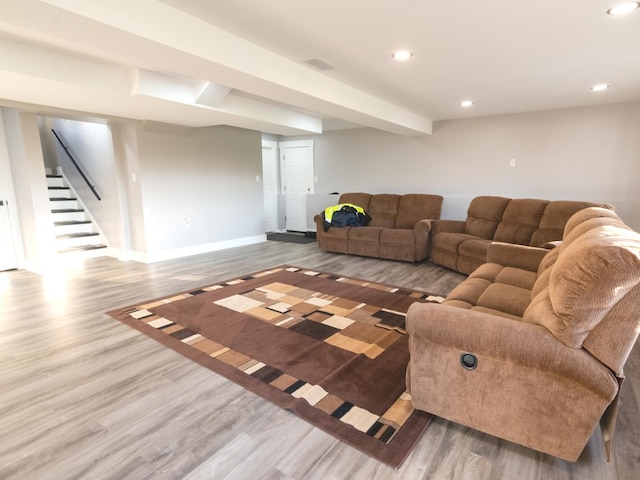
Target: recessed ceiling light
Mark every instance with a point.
(466, 103)
(623, 8)
(402, 55)
(600, 87)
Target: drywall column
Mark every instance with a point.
(125, 149)
(30, 185)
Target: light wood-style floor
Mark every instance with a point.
(85, 397)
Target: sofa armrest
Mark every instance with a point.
(518, 344)
(319, 221)
(551, 245)
(447, 226)
(422, 239)
(518, 256)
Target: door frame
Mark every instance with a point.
(273, 146)
(10, 200)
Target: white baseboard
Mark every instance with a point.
(159, 256)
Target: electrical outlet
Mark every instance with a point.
(512, 162)
(187, 221)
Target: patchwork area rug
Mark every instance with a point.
(329, 348)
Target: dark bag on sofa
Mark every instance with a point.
(348, 216)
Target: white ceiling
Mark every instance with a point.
(242, 62)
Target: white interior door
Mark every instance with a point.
(270, 185)
(296, 164)
(8, 258)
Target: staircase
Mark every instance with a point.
(75, 231)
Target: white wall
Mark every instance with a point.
(200, 189)
(575, 154)
(10, 223)
(30, 186)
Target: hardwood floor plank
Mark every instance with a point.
(84, 396)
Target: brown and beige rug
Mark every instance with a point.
(329, 348)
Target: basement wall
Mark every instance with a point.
(588, 153)
(201, 189)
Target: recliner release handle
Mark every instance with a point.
(468, 361)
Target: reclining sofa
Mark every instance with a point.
(531, 346)
(398, 230)
(462, 245)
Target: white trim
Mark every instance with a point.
(170, 254)
(272, 147)
(295, 143)
(6, 176)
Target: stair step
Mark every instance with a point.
(83, 248)
(68, 240)
(71, 222)
(64, 205)
(75, 232)
(67, 210)
(77, 235)
(60, 192)
(54, 181)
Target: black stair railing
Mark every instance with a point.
(93, 189)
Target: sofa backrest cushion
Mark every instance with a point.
(383, 210)
(554, 219)
(417, 206)
(356, 198)
(592, 292)
(484, 215)
(520, 220)
(585, 220)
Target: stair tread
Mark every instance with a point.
(82, 248)
(61, 199)
(71, 222)
(77, 235)
(58, 188)
(52, 175)
(67, 210)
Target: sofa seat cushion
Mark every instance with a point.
(365, 234)
(336, 239)
(398, 244)
(505, 298)
(397, 236)
(492, 288)
(338, 232)
(451, 241)
(365, 241)
(474, 247)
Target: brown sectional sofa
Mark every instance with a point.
(398, 230)
(462, 245)
(531, 346)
